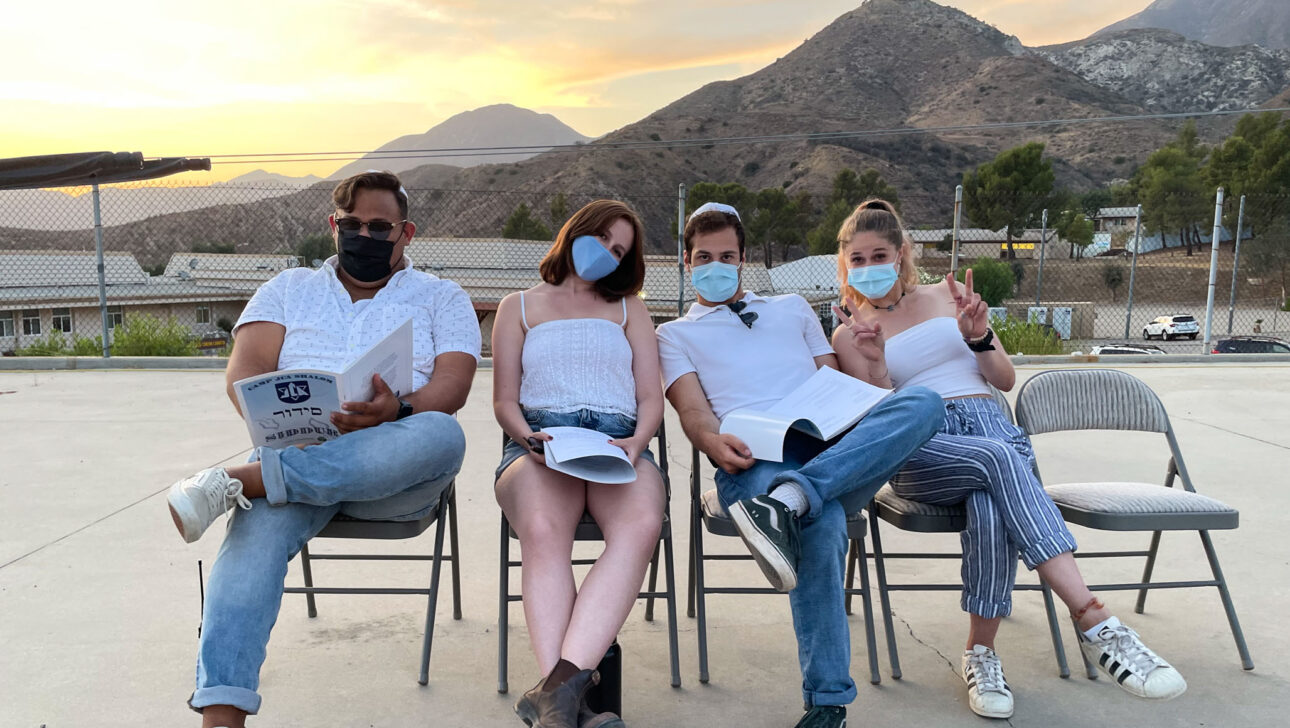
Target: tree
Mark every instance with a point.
(1113, 277)
(849, 190)
(1255, 159)
(992, 279)
(559, 210)
(1269, 254)
(522, 225)
(218, 248)
(775, 218)
(315, 247)
(1172, 190)
(1009, 191)
(1075, 227)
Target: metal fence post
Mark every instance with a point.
(1043, 244)
(680, 250)
(98, 248)
(1236, 262)
(954, 244)
(1133, 269)
(1213, 266)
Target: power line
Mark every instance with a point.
(646, 144)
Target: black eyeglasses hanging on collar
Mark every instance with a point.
(747, 317)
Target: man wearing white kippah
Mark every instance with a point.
(736, 349)
(393, 458)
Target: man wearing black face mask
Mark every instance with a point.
(396, 454)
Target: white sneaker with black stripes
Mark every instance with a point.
(988, 692)
(1120, 653)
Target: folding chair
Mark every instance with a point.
(707, 513)
(588, 530)
(1105, 399)
(908, 515)
(342, 526)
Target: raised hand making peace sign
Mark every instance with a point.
(973, 314)
(867, 338)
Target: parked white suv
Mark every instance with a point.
(1172, 327)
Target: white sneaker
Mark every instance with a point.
(988, 692)
(196, 501)
(1120, 653)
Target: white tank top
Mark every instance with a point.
(932, 354)
(574, 364)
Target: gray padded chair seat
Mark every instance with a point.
(909, 515)
(343, 526)
(718, 521)
(1140, 507)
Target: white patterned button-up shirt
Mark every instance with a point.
(328, 331)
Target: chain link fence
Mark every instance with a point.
(180, 263)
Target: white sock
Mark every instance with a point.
(791, 495)
(1093, 631)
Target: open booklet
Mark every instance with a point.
(587, 454)
(824, 406)
(294, 406)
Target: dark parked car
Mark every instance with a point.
(1251, 345)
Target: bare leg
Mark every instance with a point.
(544, 507)
(982, 630)
(630, 517)
(222, 715)
(1063, 576)
(249, 474)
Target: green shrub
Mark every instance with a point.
(52, 344)
(1021, 337)
(85, 346)
(145, 335)
(993, 279)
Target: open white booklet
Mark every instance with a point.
(824, 406)
(294, 406)
(587, 454)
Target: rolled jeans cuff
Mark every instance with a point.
(986, 608)
(275, 488)
(240, 698)
(835, 697)
(1055, 545)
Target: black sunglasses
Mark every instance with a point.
(377, 229)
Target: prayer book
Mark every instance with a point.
(588, 455)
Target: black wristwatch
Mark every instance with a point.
(985, 343)
(405, 409)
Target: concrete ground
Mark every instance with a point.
(99, 595)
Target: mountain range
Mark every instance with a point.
(1216, 22)
(888, 65)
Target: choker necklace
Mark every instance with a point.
(892, 307)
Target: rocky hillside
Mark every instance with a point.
(488, 126)
(1217, 22)
(1163, 71)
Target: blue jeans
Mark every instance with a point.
(394, 471)
(839, 477)
(612, 424)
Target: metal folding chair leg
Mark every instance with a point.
(309, 580)
(871, 641)
(503, 606)
(428, 640)
(456, 556)
(673, 642)
(1226, 596)
(653, 584)
(1054, 629)
(884, 598)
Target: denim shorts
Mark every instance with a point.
(614, 425)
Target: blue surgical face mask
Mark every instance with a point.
(715, 281)
(874, 281)
(591, 260)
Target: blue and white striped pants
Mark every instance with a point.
(986, 463)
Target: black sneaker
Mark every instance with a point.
(824, 716)
(773, 535)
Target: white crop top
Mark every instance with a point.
(932, 354)
(574, 364)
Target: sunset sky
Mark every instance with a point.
(251, 76)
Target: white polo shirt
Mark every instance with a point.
(328, 331)
(741, 366)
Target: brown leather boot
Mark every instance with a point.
(588, 719)
(559, 707)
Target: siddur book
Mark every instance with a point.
(824, 406)
(294, 406)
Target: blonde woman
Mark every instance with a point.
(578, 350)
(899, 334)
